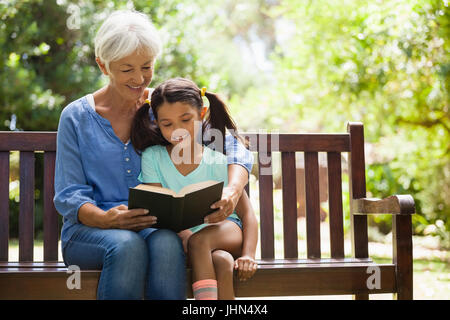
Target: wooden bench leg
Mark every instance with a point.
(402, 255)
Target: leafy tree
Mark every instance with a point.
(383, 63)
(296, 65)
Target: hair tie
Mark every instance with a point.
(147, 101)
(203, 91)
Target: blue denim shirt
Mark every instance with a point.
(93, 165)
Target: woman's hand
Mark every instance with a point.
(226, 205)
(121, 218)
(246, 267)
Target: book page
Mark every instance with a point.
(196, 186)
(155, 189)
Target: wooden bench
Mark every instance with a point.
(290, 276)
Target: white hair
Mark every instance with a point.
(124, 32)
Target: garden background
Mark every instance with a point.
(282, 66)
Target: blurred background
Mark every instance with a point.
(282, 66)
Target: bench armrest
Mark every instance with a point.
(398, 204)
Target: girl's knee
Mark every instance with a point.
(197, 241)
(223, 260)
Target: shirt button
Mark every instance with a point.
(127, 159)
(125, 148)
(128, 171)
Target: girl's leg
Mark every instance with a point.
(223, 265)
(225, 236)
(120, 254)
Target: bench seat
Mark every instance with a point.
(275, 277)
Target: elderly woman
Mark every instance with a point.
(96, 165)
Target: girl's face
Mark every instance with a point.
(177, 122)
(130, 75)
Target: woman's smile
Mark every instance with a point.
(135, 89)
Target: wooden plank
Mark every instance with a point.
(312, 197)
(281, 280)
(47, 285)
(266, 205)
(43, 265)
(291, 142)
(26, 206)
(27, 141)
(398, 204)
(289, 186)
(4, 205)
(51, 230)
(357, 189)
(357, 180)
(403, 255)
(335, 205)
(313, 280)
(287, 142)
(311, 261)
(32, 264)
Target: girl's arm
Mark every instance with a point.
(154, 184)
(237, 180)
(240, 162)
(246, 264)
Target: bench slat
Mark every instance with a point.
(4, 205)
(266, 206)
(51, 230)
(288, 176)
(357, 179)
(292, 142)
(312, 205)
(26, 206)
(43, 265)
(269, 280)
(335, 205)
(27, 141)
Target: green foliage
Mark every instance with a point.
(383, 63)
(291, 66)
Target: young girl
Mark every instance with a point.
(173, 157)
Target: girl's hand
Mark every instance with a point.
(226, 205)
(246, 267)
(121, 218)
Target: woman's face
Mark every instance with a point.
(177, 122)
(131, 75)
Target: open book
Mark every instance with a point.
(177, 211)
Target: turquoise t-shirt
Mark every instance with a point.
(158, 167)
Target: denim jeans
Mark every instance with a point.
(148, 264)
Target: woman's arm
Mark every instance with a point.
(118, 217)
(74, 197)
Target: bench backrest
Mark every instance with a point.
(263, 144)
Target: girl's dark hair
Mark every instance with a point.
(146, 133)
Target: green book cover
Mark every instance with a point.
(177, 211)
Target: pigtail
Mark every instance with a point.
(218, 117)
(144, 132)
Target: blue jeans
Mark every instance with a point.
(147, 264)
